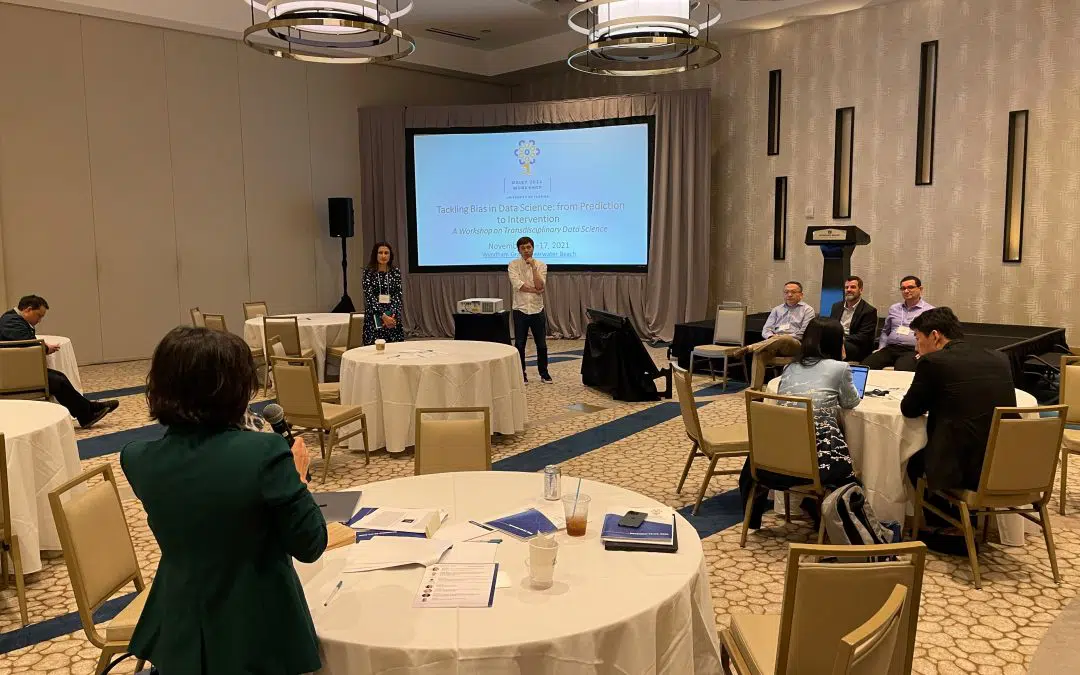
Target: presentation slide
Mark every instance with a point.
(581, 193)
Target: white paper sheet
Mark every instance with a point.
(470, 552)
(399, 520)
(462, 532)
(389, 551)
(460, 585)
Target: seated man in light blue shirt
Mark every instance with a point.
(896, 345)
(782, 332)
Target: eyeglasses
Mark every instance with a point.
(908, 288)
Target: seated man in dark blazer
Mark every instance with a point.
(18, 324)
(959, 385)
(859, 319)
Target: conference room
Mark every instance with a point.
(539, 336)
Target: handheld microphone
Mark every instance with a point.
(275, 415)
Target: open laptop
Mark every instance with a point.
(859, 375)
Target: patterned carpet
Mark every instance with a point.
(640, 446)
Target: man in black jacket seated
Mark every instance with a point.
(18, 324)
(959, 385)
(859, 319)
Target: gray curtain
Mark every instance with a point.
(676, 285)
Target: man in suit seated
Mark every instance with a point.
(859, 319)
(783, 332)
(896, 346)
(959, 385)
(18, 324)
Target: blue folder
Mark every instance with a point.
(524, 525)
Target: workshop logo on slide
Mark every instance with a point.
(527, 152)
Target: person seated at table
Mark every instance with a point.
(958, 385)
(821, 374)
(782, 332)
(384, 304)
(896, 345)
(19, 324)
(230, 510)
(859, 319)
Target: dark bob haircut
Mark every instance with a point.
(823, 339)
(201, 378)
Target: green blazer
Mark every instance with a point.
(229, 512)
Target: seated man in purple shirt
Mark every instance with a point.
(896, 345)
(783, 332)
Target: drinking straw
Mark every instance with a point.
(573, 510)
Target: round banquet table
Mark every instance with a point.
(391, 384)
(63, 360)
(608, 611)
(317, 331)
(41, 456)
(881, 440)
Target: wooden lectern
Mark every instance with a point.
(837, 243)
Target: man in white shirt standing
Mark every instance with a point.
(528, 277)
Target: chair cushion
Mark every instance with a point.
(968, 497)
(337, 415)
(715, 350)
(336, 351)
(1071, 440)
(330, 391)
(256, 351)
(757, 637)
(728, 437)
(123, 624)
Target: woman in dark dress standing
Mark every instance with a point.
(384, 307)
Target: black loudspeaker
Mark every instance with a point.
(341, 216)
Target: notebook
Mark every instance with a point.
(658, 528)
(669, 543)
(524, 525)
(860, 374)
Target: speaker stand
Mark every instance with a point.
(345, 305)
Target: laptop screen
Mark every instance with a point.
(859, 374)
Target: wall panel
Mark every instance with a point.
(45, 203)
(208, 175)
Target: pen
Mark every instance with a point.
(481, 525)
(333, 593)
(519, 529)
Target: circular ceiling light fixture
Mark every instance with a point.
(331, 31)
(644, 37)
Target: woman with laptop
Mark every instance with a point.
(819, 373)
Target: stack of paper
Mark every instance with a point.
(657, 533)
(373, 521)
(386, 552)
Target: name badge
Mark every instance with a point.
(784, 328)
(903, 330)
(384, 299)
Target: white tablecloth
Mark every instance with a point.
(317, 331)
(391, 384)
(881, 440)
(608, 612)
(63, 360)
(41, 455)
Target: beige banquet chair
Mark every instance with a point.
(24, 370)
(783, 441)
(871, 649)
(287, 330)
(1070, 396)
(825, 602)
(1017, 477)
(215, 322)
(298, 394)
(714, 443)
(255, 309)
(446, 445)
(197, 319)
(355, 337)
(329, 392)
(9, 541)
(729, 338)
(100, 558)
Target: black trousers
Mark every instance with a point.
(768, 481)
(897, 356)
(856, 351)
(537, 323)
(66, 395)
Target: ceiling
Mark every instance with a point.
(494, 37)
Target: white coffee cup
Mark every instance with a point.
(543, 551)
(380, 345)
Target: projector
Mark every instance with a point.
(480, 306)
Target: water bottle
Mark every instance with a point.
(552, 482)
